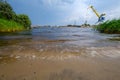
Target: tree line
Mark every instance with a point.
(7, 12)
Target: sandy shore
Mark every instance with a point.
(101, 63)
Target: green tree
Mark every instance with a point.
(6, 10)
(24, 20)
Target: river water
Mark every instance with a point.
(64, 53)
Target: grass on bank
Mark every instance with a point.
(10, 26)
(110, 27)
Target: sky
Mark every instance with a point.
(64, 12)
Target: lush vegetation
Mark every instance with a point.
(111, 27)
(10, 21)
(13, 26)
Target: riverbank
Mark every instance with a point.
(10, 21)
(110, 27)
(10, 26)
(73, 68)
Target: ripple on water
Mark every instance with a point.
(58, 44)
(64, 54)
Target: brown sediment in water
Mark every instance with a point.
(114, 39)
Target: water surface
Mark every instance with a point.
(59, 54)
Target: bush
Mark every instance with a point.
(112, 26)
(10, 26)
(24, 20)
(6, 12)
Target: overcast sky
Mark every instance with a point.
(63, 12)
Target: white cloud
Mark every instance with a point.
(113, 13)
(76, 10)
(68, 11)
(73, 10)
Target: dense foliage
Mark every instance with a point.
(7, 13)
(13, 26)
(112, 26)
(24, 20)
(6, 10)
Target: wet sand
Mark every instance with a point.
(78, 57)
(59, 67)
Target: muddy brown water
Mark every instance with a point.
(59, 54)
